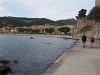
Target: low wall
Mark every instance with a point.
(97, 40)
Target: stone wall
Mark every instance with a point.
(97, 2)
(95, 31)
(82, 23)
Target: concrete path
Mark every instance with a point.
(79, 61)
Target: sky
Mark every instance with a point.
(51, 9)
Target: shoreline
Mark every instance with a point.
(40, 35)
(58, 62)
(78, 61)
(61, 58)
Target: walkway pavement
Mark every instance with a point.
(78, 61)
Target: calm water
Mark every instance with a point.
(33, 55)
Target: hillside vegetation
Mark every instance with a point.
(21, 21)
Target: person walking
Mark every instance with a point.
(92, 41)
(84, 39)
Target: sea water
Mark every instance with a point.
(33, 55)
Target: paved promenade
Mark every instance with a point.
(77, 61)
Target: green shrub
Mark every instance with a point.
(49, 30)
(86, 28)
(64, 29)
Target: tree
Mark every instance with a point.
(49, 30)
(36, 31)
(64, 29)
(94, 13)
(21, 30)
(25, 30)
(82, 14)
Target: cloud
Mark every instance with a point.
(3, 12)
(55, 9)
(52, 9)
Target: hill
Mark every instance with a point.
(67, 21)
(22, 21)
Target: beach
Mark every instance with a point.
(77, 61)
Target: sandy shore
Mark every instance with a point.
(77, 61)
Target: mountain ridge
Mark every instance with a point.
(22, 21)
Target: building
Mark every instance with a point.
(97, 2)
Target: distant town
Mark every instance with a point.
(9, 24)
